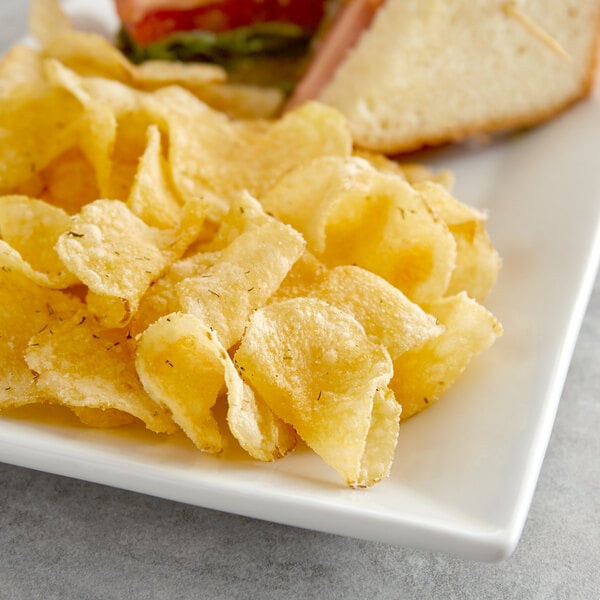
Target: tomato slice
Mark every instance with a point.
(147, 21)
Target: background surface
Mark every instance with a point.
(62, 538)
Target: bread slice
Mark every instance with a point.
(428, 72)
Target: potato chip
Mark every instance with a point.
(116, 255)
(101, 418)
(259, 431)
(244, 213)
(315, 367)
(29, 229)
(350, 213)
(417, 173)
(382, 163)
(213, 155)
(301, 278)
(183, 367)
(388, 316)
(37, 124)
(310, 131)
(20, 66)
(247, 273)
(25, 309)
(80, 364)
(151, 197)
(381, 442)
(477, 261)
(423, 374)
(181, 370)
(47, 20)
(97, 125)
(68, 182)
(162, 298)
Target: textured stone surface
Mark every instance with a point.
(66, 539)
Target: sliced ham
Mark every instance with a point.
(347, 26)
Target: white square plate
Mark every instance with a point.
(466, 469)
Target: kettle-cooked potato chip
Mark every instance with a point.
(388, 316)
(315, 367)
(25, 309)
(101, 418)
(37, 124)
(183, 366)
(212, 154)
(151, 197)
(180, 368)
(350, 213)
(80, 364)
(246, 274)
(423, 374)
(116, 255)
(29, 229)
(477, 261)
(68, 182)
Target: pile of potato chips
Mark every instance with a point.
(162, 254)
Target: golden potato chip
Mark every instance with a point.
(350, 213)
(37, 124)
(259, 431)
(97, 125)
(183, 366)
(417, 173)
(310, 131)
(247, 273)
(151, 197)
(180, 368)
(381, 442)
(477, 261)
(47, 20)
(316, 369)
(388, 316)
(29, 229)
(98, 417)
(25, 309)
(85, 52)
(21, 65)
(68, 182)
(244, 213)
(202, 149)
(116, 255)
(301, 278)
(213, 155)
(80, 364)
(162, 298)
(382, 163)
(423, 374)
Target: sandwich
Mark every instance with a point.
(262, 42)
(409, 73)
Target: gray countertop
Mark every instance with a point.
(63, 538)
